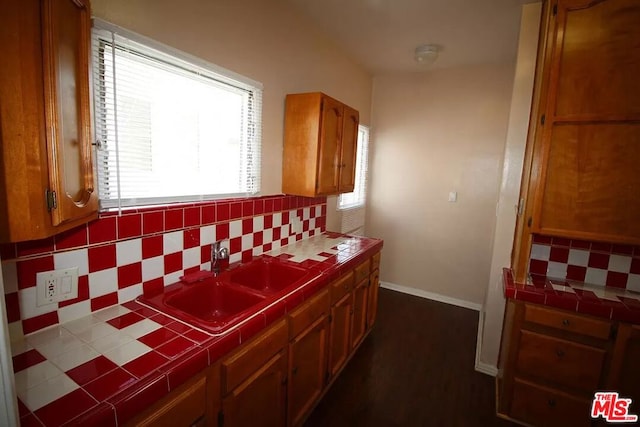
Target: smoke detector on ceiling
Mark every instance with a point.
(426, 54)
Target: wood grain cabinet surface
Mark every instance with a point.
(553, 361)
(308, 347)
(580, 176)
(46, 175)
(277, 377)
(320, 141)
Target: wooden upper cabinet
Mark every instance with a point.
(46, 176)
(320, 140)
(583, 181)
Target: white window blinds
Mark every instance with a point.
(170, 127)
(358, 196)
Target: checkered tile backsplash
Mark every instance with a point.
(595, 263)
(120, 256)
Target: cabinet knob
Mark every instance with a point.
(559, 352)
(565, 322)
(294, 371)
(552, 403)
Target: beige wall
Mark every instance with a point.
(436, 132)
(265, 40)
(510, 188)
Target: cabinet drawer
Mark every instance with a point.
(183, 407)
(362, 271)
(375, 262)
(251, 357)
(561, 361)
(305, 315)
(569, 322)
(538, 405)
(341, 287)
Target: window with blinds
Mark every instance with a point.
(170, 127)
(357, 197)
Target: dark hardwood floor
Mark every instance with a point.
(416, 368)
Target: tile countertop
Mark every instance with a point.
(105, 368)
(601, 301)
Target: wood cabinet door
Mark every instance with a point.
(339, 331)
(372, 301)
(260, 399)
(590, 139)
(183, 407)
(348, 150)
(359, 312)
(66, 33)
(329, 147)
(307, 369)
(624, 374)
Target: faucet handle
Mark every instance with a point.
(218, 251)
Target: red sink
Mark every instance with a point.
(269, 276)
(209, 304)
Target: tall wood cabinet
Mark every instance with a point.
(46, 175)
(320, 140)
(580, 179)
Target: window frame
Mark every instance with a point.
(103, 30)
(362, 166)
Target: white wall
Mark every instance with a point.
(488, 347)
(435, 132)
(8, 402)
(267, 41)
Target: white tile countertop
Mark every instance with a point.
(105, 367)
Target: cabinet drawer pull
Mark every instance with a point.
(552, 403)
(560, 353)
(565, 322)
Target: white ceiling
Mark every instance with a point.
(382, 34)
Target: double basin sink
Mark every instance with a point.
(216, 304)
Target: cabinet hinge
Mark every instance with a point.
(220, 419)
(555, 9)
(542, 119)
(521, 207)
(52, 200)
(330, 318)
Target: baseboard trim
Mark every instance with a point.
(487, 369)
(431, 295)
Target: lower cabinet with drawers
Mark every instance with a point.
(278, 377)
(552, 362)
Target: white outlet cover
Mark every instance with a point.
(65, 286)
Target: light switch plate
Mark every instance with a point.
(56, 285)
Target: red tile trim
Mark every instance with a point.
(109, 384)
(66, 408)
(39, 322)
(129, 275)
(102, 257)
(104, 301)
(102, 230)
(129, 226)
(125, 320)
(28, 269)
(91, 370)
(26, 360)
(73, 238)
(129, 403)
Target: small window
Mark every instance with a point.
(170, 127)
(358, 196)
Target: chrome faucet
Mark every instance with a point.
(218, 253)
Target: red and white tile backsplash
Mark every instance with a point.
(595, 263)
(120, 256)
